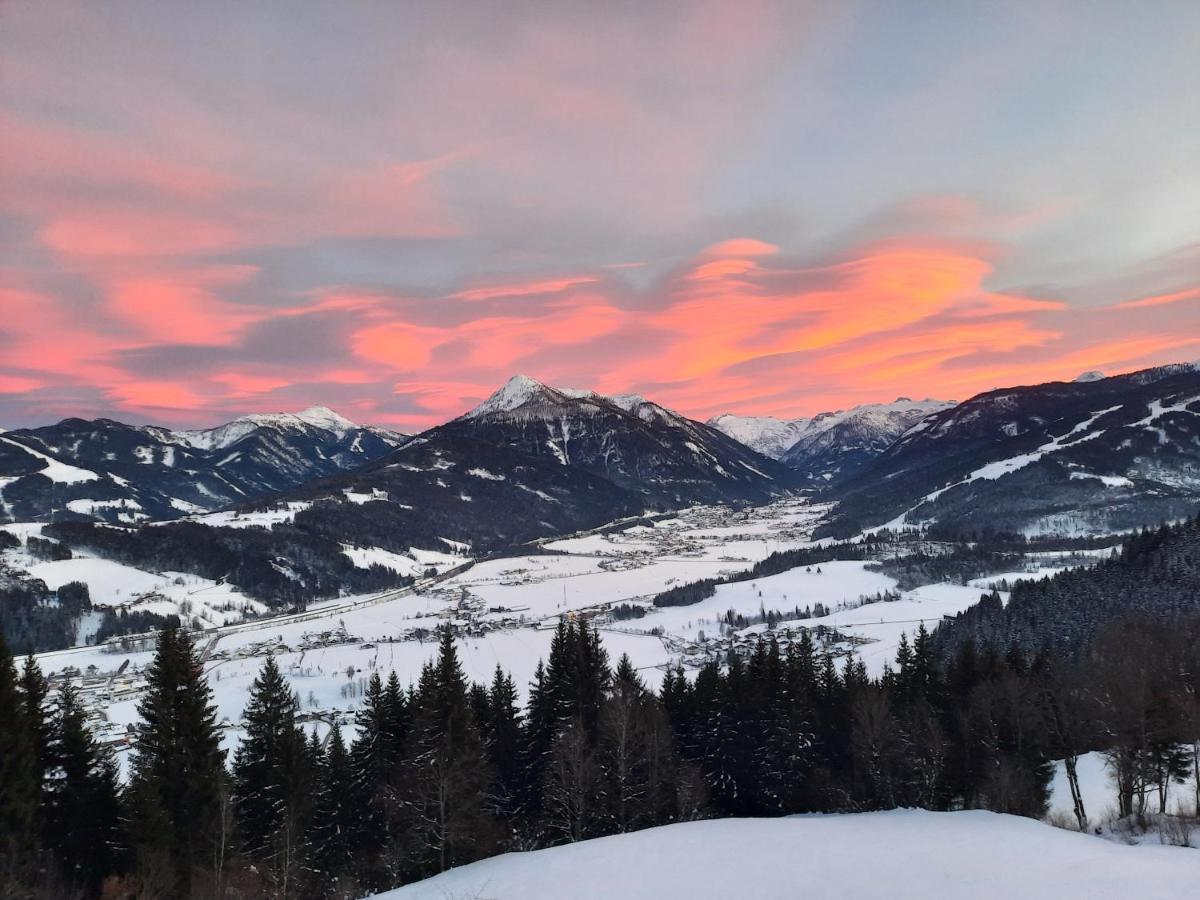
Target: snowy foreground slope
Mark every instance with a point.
(900, 854)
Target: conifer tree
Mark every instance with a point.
(34, 690)
(395, 719)
(336, 817)
(272, 778)
(502, 740)
(636, 759)
(446, 800)
(177, 774)
(19, 787)
(84, 828)
(374, 759)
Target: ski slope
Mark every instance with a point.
(896, 855)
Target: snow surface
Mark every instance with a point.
(230, 433)
(899, 854)
(1001, 467)
(112, 584)
(510, 606)
(516, 392)
(1100, 795)
(55, 470)
(773, 437)
(255, 519)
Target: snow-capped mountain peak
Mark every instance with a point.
(625, 438)
(1091, 375)
(324, 417)
(768, 435)
(876, 423)
(230, 433)
(531, 396)
(515, 393)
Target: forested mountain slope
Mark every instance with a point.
(1154, 580)
(1097, 456)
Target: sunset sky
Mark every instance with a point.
(208, 209)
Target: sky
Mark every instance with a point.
(210, 209)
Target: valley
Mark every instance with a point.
(503, 611)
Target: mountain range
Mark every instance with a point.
(108, 471)
(531, 461)
(1097, 455)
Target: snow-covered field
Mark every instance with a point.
(901, 854)
(505, 609)
(115, 585)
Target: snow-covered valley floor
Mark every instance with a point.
(899, 854)
(504, 610)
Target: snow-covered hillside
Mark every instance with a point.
(900, 854)
(1098, 455)
(504, 610)
(835, 447)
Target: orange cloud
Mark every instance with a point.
(740, 327)
(524, 288)
(1160, 299)
(250, 384)
(182, 307)
(16, 384)
(398, 345)
(740, 247)
(157, 395)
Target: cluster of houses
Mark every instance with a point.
(744, 643)
(97, 691)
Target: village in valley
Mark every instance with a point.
(503, 611)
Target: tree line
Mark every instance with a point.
(444, 772)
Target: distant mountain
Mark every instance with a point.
(634, 443)
(836, 447)
(766, 434)
(830, 447)
(108, 471)
(1093, 456)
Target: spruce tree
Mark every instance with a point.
(373, 763)
(177, 774)
(446, 799)
(34, 689)
(502, 739)
(84, 828)
(336, 820)
(272, 778)
(394, 722)
(20, 789)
